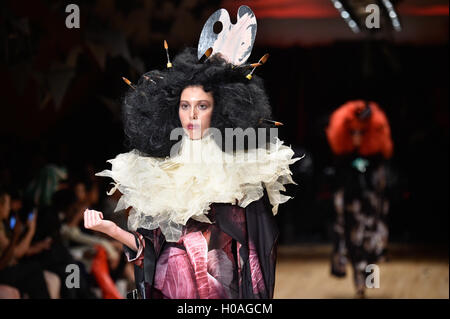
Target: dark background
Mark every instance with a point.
(61, 89)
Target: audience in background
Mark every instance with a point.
(41, 234)
(15, 240)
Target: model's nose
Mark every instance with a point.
(194, 114)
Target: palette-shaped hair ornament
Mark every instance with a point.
(235, 41)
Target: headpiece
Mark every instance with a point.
(235, 41)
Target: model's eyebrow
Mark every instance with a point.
(198, 101)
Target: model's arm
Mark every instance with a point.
(94, 220)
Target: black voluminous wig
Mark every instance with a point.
(150, 111)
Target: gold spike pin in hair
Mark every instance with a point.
(276, 123)
(255, 65)
(129, 83)
(205, 55)
(166, 46)
(245, 66)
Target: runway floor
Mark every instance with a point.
(410, 272)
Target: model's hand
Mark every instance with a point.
(94, 220)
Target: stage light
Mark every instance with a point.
(337, 4)
(393, 15)
(346, 16)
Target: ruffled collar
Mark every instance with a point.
(167, 192)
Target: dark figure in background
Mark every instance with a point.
(359, 136)
(293, 214)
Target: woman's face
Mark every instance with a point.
(196, 107)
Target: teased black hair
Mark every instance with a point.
(150, 111)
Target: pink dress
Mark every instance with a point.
(234, 257)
